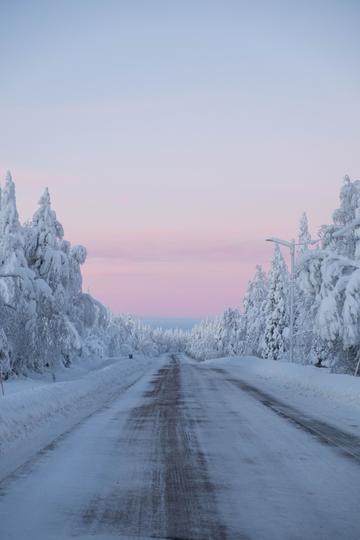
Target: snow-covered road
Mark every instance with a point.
(189, 452)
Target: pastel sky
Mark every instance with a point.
(175, 136)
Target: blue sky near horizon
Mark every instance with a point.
(175, 136)
(183, 323)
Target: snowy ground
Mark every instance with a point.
(77, 370)
(220, 449)
(35, 410)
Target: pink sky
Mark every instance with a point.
(197, 265)
(174, 141)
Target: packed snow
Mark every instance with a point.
(34, 411)
(330, 397)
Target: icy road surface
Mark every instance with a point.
(189, 452)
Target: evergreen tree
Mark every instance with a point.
(230, 327)
(305, 303)
(304, 237)
(44, 250)
(254, 314)
(276, 308)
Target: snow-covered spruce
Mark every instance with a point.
(276, 308)
(45, 318)
(254, 314)
(327, 300)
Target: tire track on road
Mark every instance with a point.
(347, 443)
(170, 494)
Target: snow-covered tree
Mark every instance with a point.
(331, 277)
(276, 308)
(327, 299)
(230, 329)
(304, 237)
(206, 340)
(17, 281)
(342, 236)
(305, 302)
(254, 313)
(45, 253)
(4, 356)
(45, 318)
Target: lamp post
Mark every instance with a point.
(291, 245)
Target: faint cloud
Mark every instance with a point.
(141, 250)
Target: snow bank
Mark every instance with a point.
(334, 398)
(43, 412)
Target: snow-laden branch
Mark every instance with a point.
(347, 229)
(11, 276)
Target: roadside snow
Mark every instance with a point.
(34, 412)
(77, 370)
(330, 397)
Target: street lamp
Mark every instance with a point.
(291, 245)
